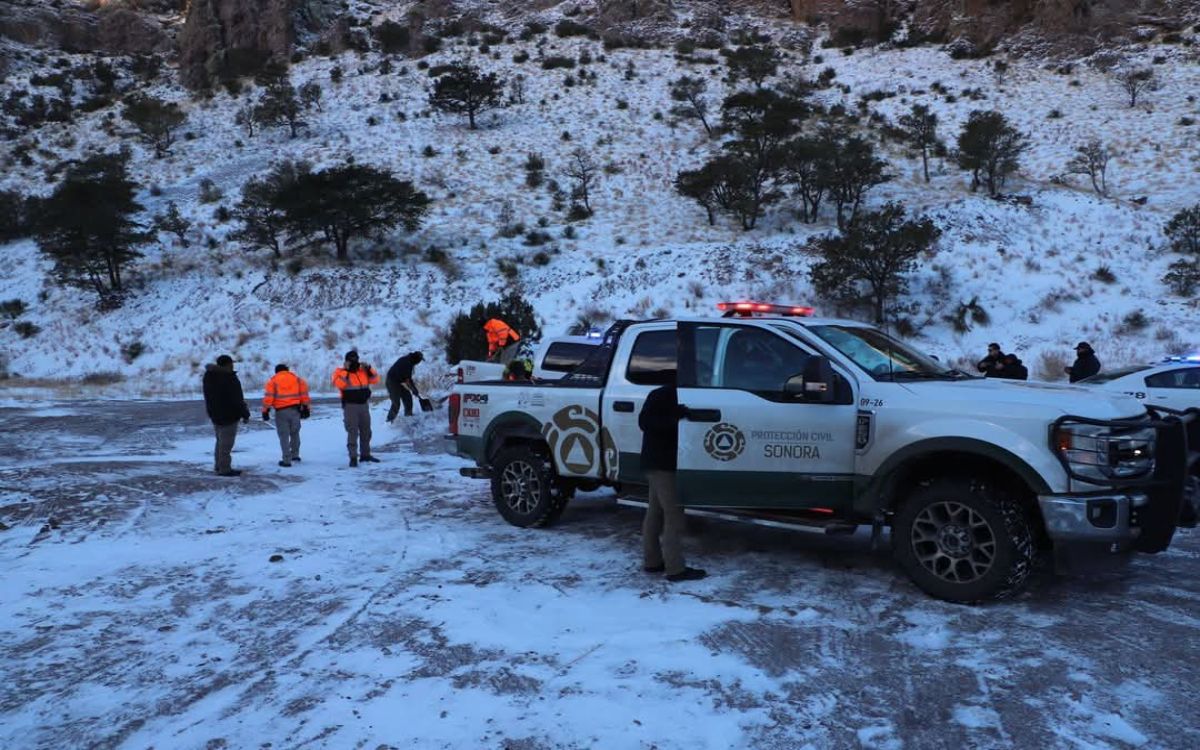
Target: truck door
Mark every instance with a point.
(747, 443)
(644, 361)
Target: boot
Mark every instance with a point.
(687, 574)
(370, 459)
(353, 462)
(285, 463)
(231, 473)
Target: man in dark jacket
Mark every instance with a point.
(1086, 363)
(1014, 368)
(662, 530)
(225, 404)
(400, 385)
(992, 365)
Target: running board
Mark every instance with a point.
(776, 520)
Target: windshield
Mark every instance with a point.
(1105, 377)
(884, 357)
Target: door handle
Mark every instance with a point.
(626, 407)
(703, 415)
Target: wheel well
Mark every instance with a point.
(510, 430)
(951, 463)
(501, 441)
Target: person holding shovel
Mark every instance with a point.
(400, 385)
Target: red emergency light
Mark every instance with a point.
(749, 309)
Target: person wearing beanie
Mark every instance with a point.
(287, 394)
(400, 385)
(354, 380)
(225, 404)
(1086, 363)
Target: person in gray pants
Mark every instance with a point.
(225, 404)
(354, 380)
(287, 393)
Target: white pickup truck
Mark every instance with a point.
(833, 424)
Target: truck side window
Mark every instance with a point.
(653, 360)
(1188, 378)
(564, 356)
(756, 360)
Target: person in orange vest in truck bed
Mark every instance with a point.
(353, 381)
(500, 340)
(287, 394)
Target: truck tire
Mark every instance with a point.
(525, 488)
(964, 540)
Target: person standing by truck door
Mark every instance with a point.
(662, 530)
(225, 404)
(353, 380)
(400, 385)
(287, 394)
(501, 338)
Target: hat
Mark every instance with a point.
(1083, 345)
(993, 345)
(352, 355)
(224, 361)
(418, 356)
(281, 368)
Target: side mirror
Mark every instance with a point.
(816, 384)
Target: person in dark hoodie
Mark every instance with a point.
(400, 385)
(225, 404)
(662, 530)
(1086, 363)
(1014, 368)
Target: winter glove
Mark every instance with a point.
(266, 416)
(304, 412)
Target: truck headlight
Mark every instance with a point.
(1106, 453)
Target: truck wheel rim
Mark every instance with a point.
(520, 487)
(954, 542)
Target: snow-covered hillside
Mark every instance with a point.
(646, 251)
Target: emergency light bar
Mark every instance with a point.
(1187, 358)
(749, 309)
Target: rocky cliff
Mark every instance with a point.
(984, 22)
(111, 28)
(228, 38)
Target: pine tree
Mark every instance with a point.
(280, 107)
(920, 128)
(155, 120)
(464, 89)
(261, 211)
(873, 257)
(341, 203)
(990, 148)
(86, 226)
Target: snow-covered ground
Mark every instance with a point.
(139, 607)
(646, 251)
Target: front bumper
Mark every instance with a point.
(1092, 518)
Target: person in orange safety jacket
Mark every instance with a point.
(287, 394)
(500, 336)
(353, 380)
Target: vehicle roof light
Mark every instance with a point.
(748, 309)
(1182, 358)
